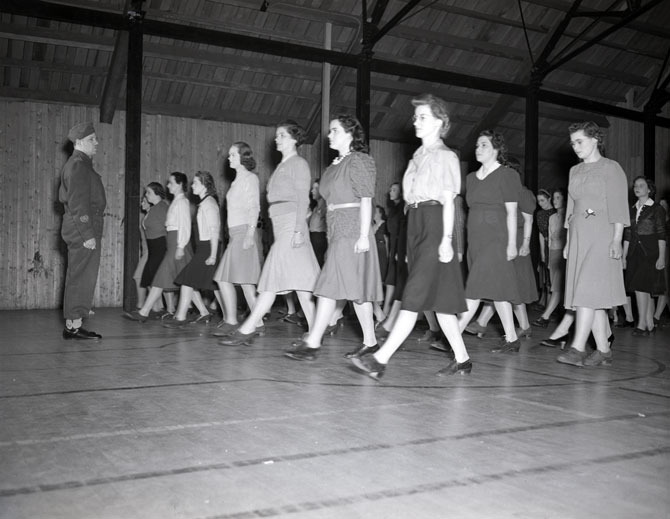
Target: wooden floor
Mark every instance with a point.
(153, 423)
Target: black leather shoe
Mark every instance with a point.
(507, 347)
(361, 350)
(175, 324)
(370, 366)
(135, 315)
(237, 338)
(302, 352)
(556, 343)
(463, 368)
(79, 334)
(625, 324)
(540, 322)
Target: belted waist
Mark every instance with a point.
(424, 203)
(333, 207)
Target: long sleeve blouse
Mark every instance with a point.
(288, 190)
(208, 219)
(243, 200)
(179, 219)
(154, 221)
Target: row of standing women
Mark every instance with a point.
(498, 232)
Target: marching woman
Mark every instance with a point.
(351, 270)
(153, 225)
(178, 254)
(198, 274)
(492, 193)
(595, 217)
(290, 265)
(644, 253)
(241, 262)
(434, 282)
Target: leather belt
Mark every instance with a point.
(333, 207)
(424, 203)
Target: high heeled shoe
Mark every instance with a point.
(302, 352)
(639, 332)
(462, 368)
(135, 315)
(560, 342)
(237, 338)
(370, 366)
(225, 329)
(202, 319)
(174, 324)
(522, 333)
(540, 322)
(332, 329)
(361, 350)
(430, 336)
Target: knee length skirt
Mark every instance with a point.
(238, 265)
(197, 274)
(171, 267)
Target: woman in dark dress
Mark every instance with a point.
(644, 253)
(154, 228)
(394, 215)
(434, 282)
(492, 194)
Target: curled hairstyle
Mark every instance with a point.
(650, 184)
(591, 130)
(158, 189)
(246, 155)
(544, 193)
(296, 131)
(208, 181)
(498, 143)
(437, 106)
(180, 179)
(353, 127)
(382, 212)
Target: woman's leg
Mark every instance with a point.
(552, 304)
(600, 330)
(229, 297)
(563, 327)
(628, 309)
(378, 312)
(403, 326)
(366, 320)
(185, 296)
(263, 304)
(337, 313)
(154, 295)
(642, 299)
(450, 328)
(141, 293)
(169, 302)
(290, 303)
(660, 306)
(324, 311)
(249, 292)
(431, 319)
(307, 304)
(465, 318)
(485, 314)
(506, 314)
(522, 316)
(388, 299)
(199, 303)
(584, 324)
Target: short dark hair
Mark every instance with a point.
(158, 189)
(591, 130)
(296, 131)
(650, 184)
(498, 143)
(437, 106)
(180, 179)
(353, 127)
(246, 155)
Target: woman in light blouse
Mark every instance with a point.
(178, 254)
(241, 262)
(430, 184)
(290, 264)
(198, 274)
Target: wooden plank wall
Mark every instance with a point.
(33, 149)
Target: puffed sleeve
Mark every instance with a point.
(616, 192)
(527, 201)
(510, 185)
(363, 175)
(302, 182)
(78, 198)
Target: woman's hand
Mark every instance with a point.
(445, 250)
(615, 249)
(660, 264)
(179, 253)
(511, 252)
(525, 248)
(362, 244)
(90, 243)
(249, 241)
(298, 240)
(210, 261)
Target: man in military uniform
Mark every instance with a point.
(83, 195)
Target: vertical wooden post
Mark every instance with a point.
(649, 145)
(325, 98)
(133, 155)
(531, 159)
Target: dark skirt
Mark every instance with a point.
(431, 284)
(156, 251)
(170, 267)
(641, 273)
(197, 274)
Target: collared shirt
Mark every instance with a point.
(179, 219)
(209, 219)
(639, 206)
(428, 175)
(243, 201)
